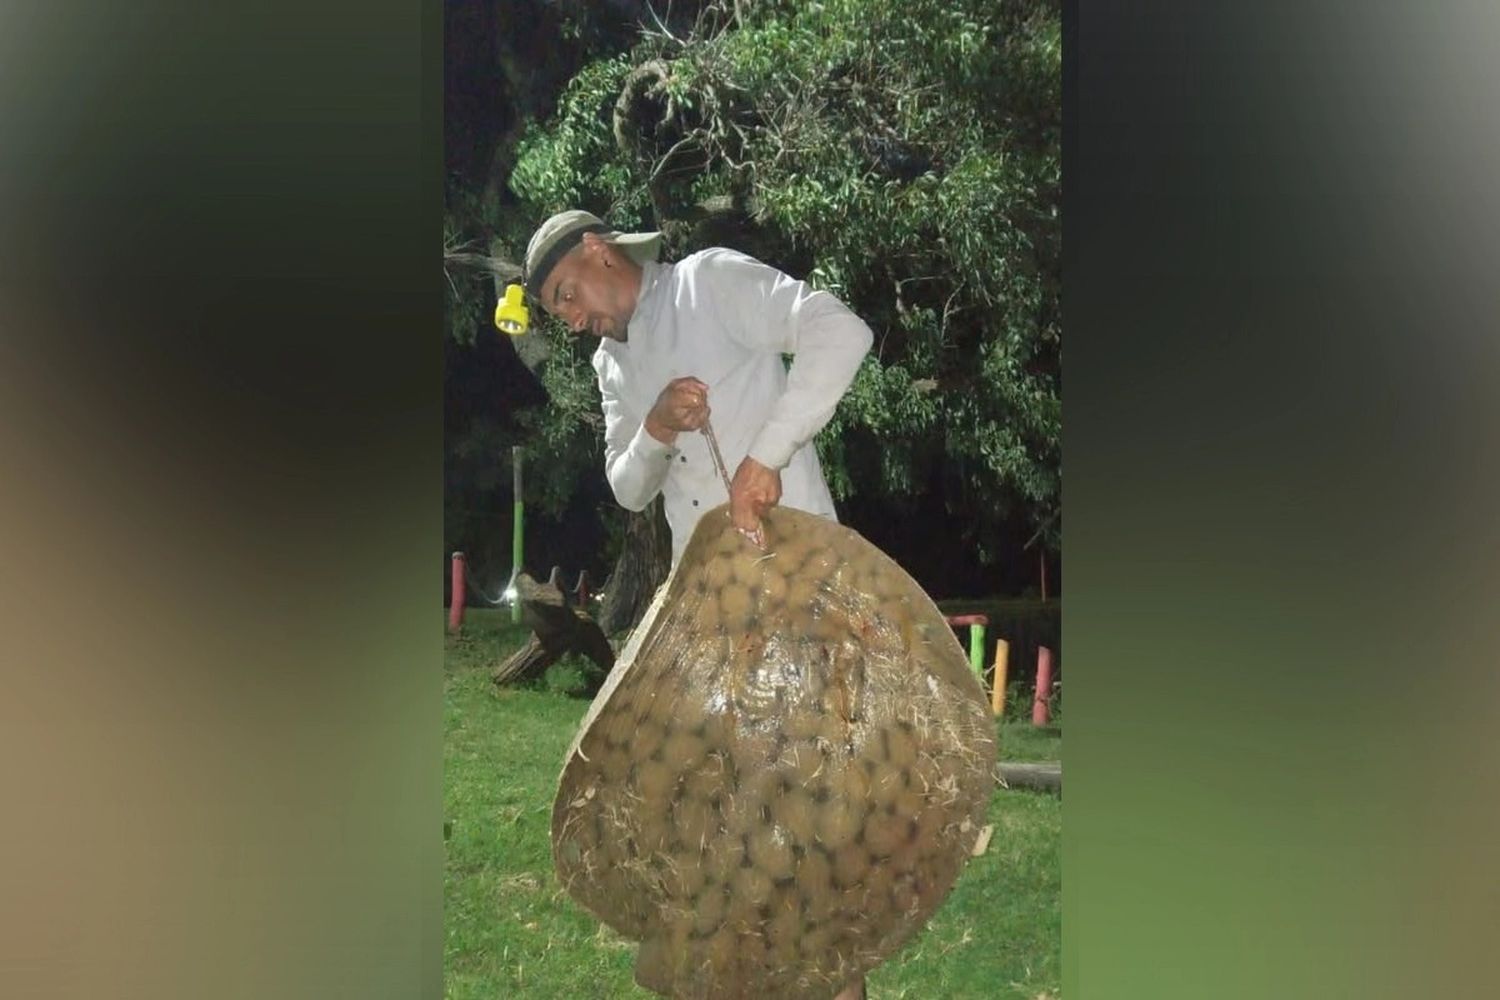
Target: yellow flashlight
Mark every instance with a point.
(511, 315)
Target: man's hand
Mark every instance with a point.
(682, 406)
(756, 489)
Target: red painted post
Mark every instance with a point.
(583, 588)
(456, 603)
(1039, 712)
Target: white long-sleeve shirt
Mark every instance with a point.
(726, 319)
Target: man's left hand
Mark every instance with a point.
(755, 489)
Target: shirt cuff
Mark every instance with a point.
(643, 447)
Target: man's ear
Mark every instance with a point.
(599, 248)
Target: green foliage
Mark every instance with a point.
(957, 268)
(568, 435)
(572, 676)
(572, 161)
(463, 310)
(910, 149)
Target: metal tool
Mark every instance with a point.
(713, 450)
(757, 536)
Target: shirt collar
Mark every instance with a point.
(648, 302)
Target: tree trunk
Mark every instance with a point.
(644, 561)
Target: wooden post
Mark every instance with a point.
(516, 533)
(456, 601)
(976, 649)
(1002, 666)
(976, 625)
(1039, 710)
(582, 590)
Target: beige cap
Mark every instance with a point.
(564, 231)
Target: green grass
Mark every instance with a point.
(510, 930)
(1023, 741)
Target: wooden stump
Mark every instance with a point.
(1044, 776)
(557, 629)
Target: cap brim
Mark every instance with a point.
(639, 247)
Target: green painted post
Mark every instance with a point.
(976, 649)
(517, 534)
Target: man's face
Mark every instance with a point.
(593, 289)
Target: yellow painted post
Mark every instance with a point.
(1002, 662)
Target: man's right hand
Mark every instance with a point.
(682, 406)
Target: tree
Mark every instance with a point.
(904, 155)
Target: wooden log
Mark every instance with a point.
(557, 629)
(1043, 775)
(528, 661)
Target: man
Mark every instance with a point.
(670, 336)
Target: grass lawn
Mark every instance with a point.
(510, 930)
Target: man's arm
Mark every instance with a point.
(635, 462)
(766, 310)
(770, 311)
(638, 453)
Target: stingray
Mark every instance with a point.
(786, 771)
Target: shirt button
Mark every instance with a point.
(684, 458)
(695, 503)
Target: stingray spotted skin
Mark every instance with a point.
(784, 774)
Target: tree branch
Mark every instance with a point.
(497, 266)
